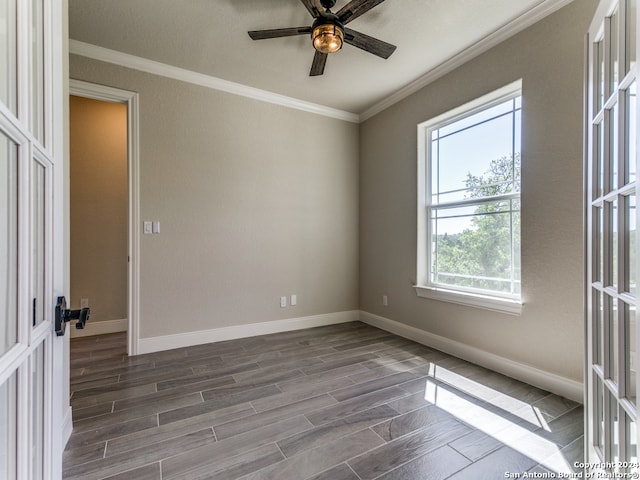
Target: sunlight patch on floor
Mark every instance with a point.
(515, 435)
(516, 407)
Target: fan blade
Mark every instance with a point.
(319, 61)
(314, 6)
(368, 44)
(279, 32)
(355, 8)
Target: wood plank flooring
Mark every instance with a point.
(343, 402)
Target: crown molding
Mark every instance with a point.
(537, 13)
(157, 68)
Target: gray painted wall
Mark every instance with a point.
(549, 334)
(256, 201)
(252, 209)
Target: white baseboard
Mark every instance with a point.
(99, 328)
(178, 340)
(67, 426)
(534, 376)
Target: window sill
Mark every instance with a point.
(487, 302)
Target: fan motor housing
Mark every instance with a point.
(328, 3)
(328, 18)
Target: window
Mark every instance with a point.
(469, 212)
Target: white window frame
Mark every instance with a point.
(505, 303)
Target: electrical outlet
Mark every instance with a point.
(385, 301)
(293, 300)
(84, 303)
(283, 302)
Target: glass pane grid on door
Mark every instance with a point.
(9, 427)
(8, 243)
(30, 88)
(612, 237)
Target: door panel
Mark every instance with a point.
(612, 258)
(8, 48)
(30, 440)
(8, 243)
(38, 385)
(37, 70)
(39, 252)
(8, 427)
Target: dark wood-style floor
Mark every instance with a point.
(343, 402)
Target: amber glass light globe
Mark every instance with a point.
(327, 38)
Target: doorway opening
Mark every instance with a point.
(104, 207)
(99, 204)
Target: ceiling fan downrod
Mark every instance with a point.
(328, 4)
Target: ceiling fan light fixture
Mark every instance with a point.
(327, 37)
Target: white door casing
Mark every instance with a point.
(131, 100)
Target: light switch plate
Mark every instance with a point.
(147, 228)
(156, 227)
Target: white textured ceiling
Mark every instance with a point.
(210, 37)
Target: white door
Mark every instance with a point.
(31, 153)
(612, 248)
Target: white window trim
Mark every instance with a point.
(505, 304)
(479, 300)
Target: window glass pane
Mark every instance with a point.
(614, 51)
(630, 244)
(474, 246)
(37, 391)
(477, 118)
(8, 54)
(8, 432)
(612, 264)
(614, 245)
(630, 351)
(612, 306)
(38, 241)
(517, 137)
(477, 160)
(37, 70)
(599, 75)
(631, 34)
(613, 150)
(614, 433)
(515, 254)
(632, 441)
(435, 171)
(598, 160)
(631, 139)
(598, 249)
(598, 327)
(598, 413)
(8, 243)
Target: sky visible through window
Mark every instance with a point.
(468, 146)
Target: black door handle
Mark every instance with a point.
(63, 315)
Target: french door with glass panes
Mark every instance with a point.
(612, 249)
(31, 153)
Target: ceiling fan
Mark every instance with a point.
(328, 31)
